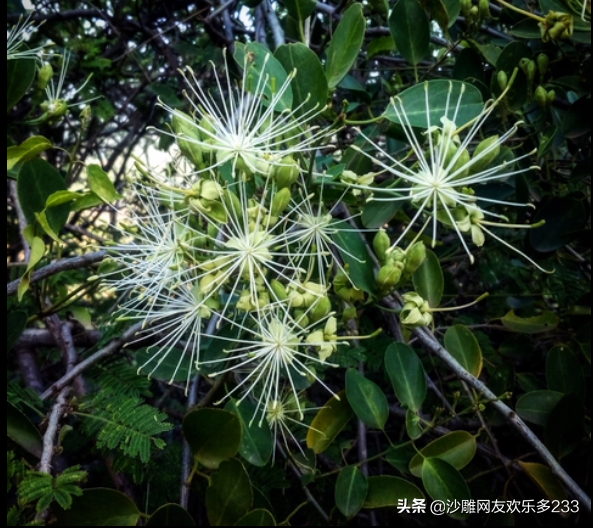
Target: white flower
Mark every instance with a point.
(441, 182)
(16, 38)
(242, 126)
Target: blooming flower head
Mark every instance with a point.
(16, 38)
(243, 124)
(441, 182)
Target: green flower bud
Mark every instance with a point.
(466, 6)
(302, 318)
(278, 290)
(484, 8)
(349, 314)
(57, 109)
(486, 152)
(541, 96)
(187, 136)
(502, 79)
(210, 190)
(389, 276)
(474, 14)
(210, 208)
(416, 255)
(478, 237)
(531, 71)
(232, 204)
(416, 311)
(208, 283)
(381, 243)
(320, 309)
(523, 64)
(287, 173)
(543, 63)
(244, 303)
(550, 97)
(46, 72)
(280, 201)
(461, 163)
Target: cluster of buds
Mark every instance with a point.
(416, 311)
(556, 26)
(475, 15)
(397, 265)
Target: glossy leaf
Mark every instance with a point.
(260, 61)
(300, 9)
(400, 457)
(344, 47)
(16, 322)
(366, 399)
(213, 435)
(171, 515)
(309, 87)
(410, 28)
(19, 77)
(351, 491)
(377, 214)
(379, 46)
(328, 423)
(356, 255)
(414, 425)
(174, 366)
(386, 492)
(20, 430)
(530, 325)
(407, 375)
(444, 483)
(565, 426)
(461, 343)
(229, 496)
(257, 443)
(564, 373)
(257, 517)
(429, 281)
(100, 507)
(27, 150)
(37, 181)
(543, 477)
(536, 406)
(445, 12)
(457, 448)
(101, 185)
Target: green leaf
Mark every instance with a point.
(414, 425)
(444, 483)
(565, 426)
(16, 322)
(213, 435)
(100, 507)
(309, 87)
(457, 448)
(400, 457)
(37, 181)
(44, 489)
(300, 9)
(407, 375)
(438, 92)
(257, 443)
(367, 400)
(527, 28)
(530, 325)
(27, 150)
(536, 406)
(468, 66)
(356, 256)
(429, 281)
(461, 343)
(86, 201)
(380, 45)
(43, 221)
(564, 373)
(410, 28)
(351, 491)
(19, 77)
(258, 517)
(20, 429)
(171, 515)
(165, 93)
(328, 423)
(175, 366)
(377, 214)
(386, 492)
(229, 496)
(37, 252)
(259, 61)
(543, 477)
(344, 47)
(62, 197)
(445, 12)
(564, 218)
(101, 185)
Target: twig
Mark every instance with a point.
(52, 430)
(112, 347)
(187, 454)
(58, 266)
(277, 31)
(85, 232)
(41, 337)
(21, 218)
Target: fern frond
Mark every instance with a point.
(118, 378)
(14, 469)
(23, 398)
(126, 424)
(44, 488)
(13, 515)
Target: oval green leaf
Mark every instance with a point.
(229, 496)
(429, 281)
(258, 517)
(309, 87)
(564, 373)
(357, 259)
(407, 375)
(27, 150)
(543, 477)
(410, 28)
(377, 214)
(414, 103)
(257, 443)
(344, 48)
(444, 483)
(20, 429)
(99, 507)
(213, 435)
(329, 422)
(173, 368)
(367, 399)
(457, 448)
(19, 76)
(300, 9)
(414, 425)
(400, 457)
(101, 185)
(171, 515)
(461, 343)
(351, 491)
(536, 406)
(530, 325)
(386, 492)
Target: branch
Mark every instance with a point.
(52, 430)
(40, 337)
(57, 267)
(28, 366)
(187, 454)
(21, 218)
(277, 31)
(112, 347)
